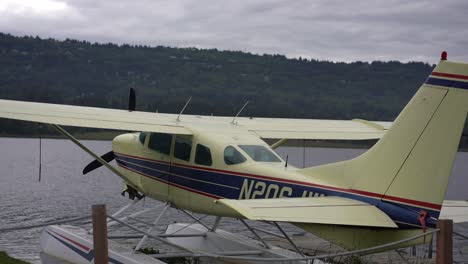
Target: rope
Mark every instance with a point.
(341, 254)
(460, 235)
(24, 227)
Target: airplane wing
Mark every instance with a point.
(455, 210)
(277, 128)
(80, 116)
(317, 210)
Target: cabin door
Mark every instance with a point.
(180, 176)
(157, 166)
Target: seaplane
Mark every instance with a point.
(222, 166)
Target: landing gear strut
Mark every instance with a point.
(132, 193)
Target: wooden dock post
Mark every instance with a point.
(444, 242)
(100, 234)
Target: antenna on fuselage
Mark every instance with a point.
(188, 101)
(286, 164)
(40, 158)
(238, 113)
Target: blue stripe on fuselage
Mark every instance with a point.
(226, 185)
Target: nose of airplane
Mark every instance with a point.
(122, 142)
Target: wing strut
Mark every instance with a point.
(278, 143)
(94, 155)
(40, 158)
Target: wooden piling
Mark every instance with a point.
(100, 234)
(444, 242)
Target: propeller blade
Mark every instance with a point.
(108, 157)
(131, 100)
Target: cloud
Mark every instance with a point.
(28, 7)
(333, 30)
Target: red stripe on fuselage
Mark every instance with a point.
(170, 183)
(351, 191)
(449, 75)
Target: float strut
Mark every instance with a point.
(256, 234)
(216, 224)
(196, 219)
(125, 208)
(151, 229)
(289, 239)
(134, 214)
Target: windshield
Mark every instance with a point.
(232, 156)
(260, 153)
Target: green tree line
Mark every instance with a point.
(95, 74)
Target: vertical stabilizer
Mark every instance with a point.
(412, 162)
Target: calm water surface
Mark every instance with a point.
(64, 192)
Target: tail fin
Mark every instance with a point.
(412, 162)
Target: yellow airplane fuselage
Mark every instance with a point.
(196, 187)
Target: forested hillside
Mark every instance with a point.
(91, 74)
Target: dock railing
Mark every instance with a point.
(443, 248)
(444, 243)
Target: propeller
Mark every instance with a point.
(108, 157)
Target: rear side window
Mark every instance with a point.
(182, 148)
(203, 155)
(232, 156)
(142, 137)
(160, 142)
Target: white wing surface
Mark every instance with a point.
(79, 116)
(315, 128)
(315, 210)
(277, 128)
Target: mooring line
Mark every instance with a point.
(340, 254)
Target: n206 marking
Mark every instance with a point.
(254, 189)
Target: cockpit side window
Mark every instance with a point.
(160, 142)
(182, 148)
(142, 137)
(259, 153)
(203, 155)
(232, 156)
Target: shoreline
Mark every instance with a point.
(108, 136)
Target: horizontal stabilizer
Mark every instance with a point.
(317, 210)
(455, 210)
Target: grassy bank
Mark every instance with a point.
(5, 259)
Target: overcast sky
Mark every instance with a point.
(328, 30)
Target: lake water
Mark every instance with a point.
(64, 192)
